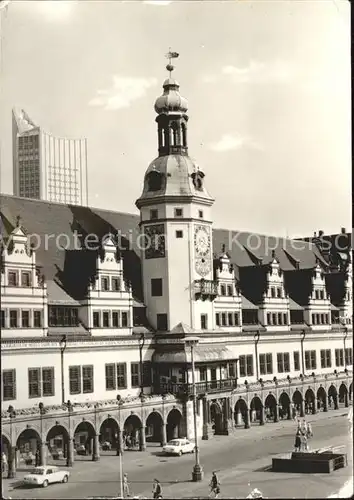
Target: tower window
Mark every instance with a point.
(178, 212)
(156, 287)
(154, 214)
(161, 322)
(179, 234)
(184, 135)
(200, 214)
(204, 321)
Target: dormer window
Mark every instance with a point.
(272, 292)
(154, 180)
(229, 290)
(222, 290)
(279, 293)
(105, 283)
(12, 278)
(317, 294)
(197, 178)
(25, 279)
(116, 284)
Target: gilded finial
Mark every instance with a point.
(171, 55)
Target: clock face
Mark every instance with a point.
(202, 241)
(154, 241)
(202, 249)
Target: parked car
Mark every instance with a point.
(179, 447)
(80, 449)
(44, 475)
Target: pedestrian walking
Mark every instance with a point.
(126, 491)
(214, 486)
(304, 444)
(298, 441)
(156, 489)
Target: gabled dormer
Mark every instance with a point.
(23, 291)
(317, 313)
(108, 308)
(227, 306)
(274, 308)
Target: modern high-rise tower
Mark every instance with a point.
(47, 167)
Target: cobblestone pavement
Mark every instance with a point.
(242, 458)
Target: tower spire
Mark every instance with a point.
(171, 55)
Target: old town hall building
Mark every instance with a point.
(98, 308)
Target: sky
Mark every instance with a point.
(268, 87)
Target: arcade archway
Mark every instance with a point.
(216, 418)
(333, 397)
(109, 435)
(84, 434)
(256, 411)
(321, 399)
(5, 446)
(174, 424)
(131, 432)
(241, 413)
(154, 428)
(270, 407)
(298, 403)
(57, 442)
(343, 396)
(28, 445)
(284, 406)
(310, 402)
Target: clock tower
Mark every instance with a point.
(176, 221)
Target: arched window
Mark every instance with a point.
(184, 134)
(172, 137)
(165, 132)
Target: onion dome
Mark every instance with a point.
(171, 100)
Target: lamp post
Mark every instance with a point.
(119, 446)
(62, 349)
(70, 451)
(197, 473)
(11, 473)
(42, 444)
(141, 346)
(256, 340)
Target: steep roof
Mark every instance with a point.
(57, 228)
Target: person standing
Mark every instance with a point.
(156, 489)
(126, 491)
(309, 432)
(3, 462)
(298, 441)
(214, 486)
(37, 458)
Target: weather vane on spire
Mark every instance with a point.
(171, 55)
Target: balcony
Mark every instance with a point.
(205, 289)
(201, 387)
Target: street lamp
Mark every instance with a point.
(70, 451)
(197, 473)
(119, 446)
(41, 413)
(62, 342)
(11, 473)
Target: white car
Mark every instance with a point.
(44, 475)
(179, 447)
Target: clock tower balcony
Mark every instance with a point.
(205, 289)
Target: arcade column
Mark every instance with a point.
(96, 448)
(142, 439)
